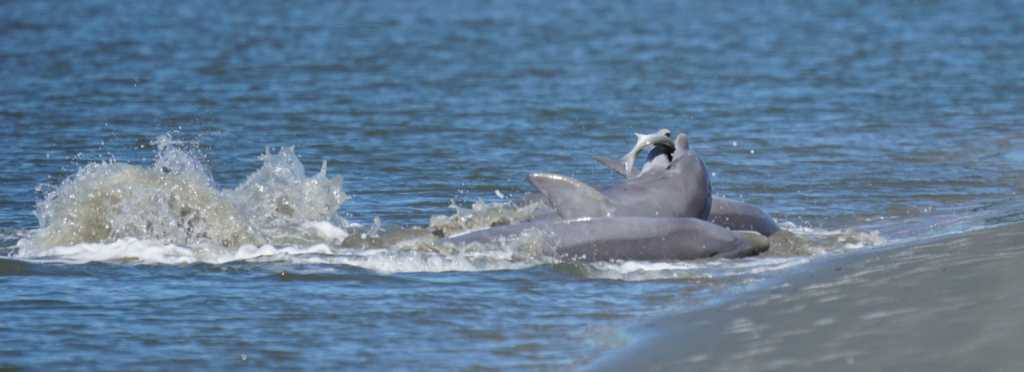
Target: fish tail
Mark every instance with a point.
(628, 161)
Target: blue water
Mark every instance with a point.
(857, 125)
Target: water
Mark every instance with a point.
(862, 127)
(942, 304)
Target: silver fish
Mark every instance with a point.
(662, 138)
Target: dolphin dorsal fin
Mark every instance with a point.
(638, 135)
(615, 166)
(571, 197)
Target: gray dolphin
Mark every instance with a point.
(657, 215)
(737, 215)
(682, 189)
(658, 158)
(728, 213)
(627, 238)
(731, 214)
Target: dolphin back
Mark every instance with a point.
(623, 238)
(682, 190)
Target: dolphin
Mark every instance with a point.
(626, 238)
(731, 214)
(660, 214)
(682, 189)
(658, 158)
(728, 213)
(737, 215)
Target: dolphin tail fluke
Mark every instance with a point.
(571, 197)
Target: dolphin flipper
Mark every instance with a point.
(571, 197)
(616, 166)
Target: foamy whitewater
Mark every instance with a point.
(173, 212)
(176, 203)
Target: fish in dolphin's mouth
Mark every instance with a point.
(661, 138)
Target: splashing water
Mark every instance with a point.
(804, 241)
(280, 194)
(481, 215)
(177, 202)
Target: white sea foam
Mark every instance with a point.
(327, 230)
(387, 261)
(123, 250)
(693, 270)
(480, 215)
(814, 241)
